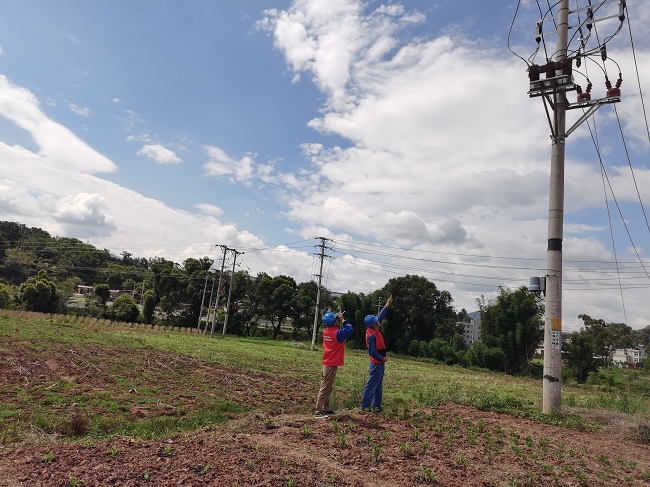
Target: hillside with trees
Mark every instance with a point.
(40, 272)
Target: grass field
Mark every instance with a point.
(409, 383)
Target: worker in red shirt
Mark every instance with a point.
(372, 393)
(333, 351)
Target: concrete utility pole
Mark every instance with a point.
(232, 277)
(207, 316)
(320, 277)
(553, 89)
(552, 388)
(205, 288)
(216, 301)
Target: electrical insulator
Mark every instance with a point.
(621, 10)
(578, 61)
(611, 91)
(616, 90)
(582, 96)
(603, 52)
(550, 69)
(590, 18)
(533, 72)
(538, 36)
(566, 66)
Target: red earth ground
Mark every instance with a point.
(447, 445)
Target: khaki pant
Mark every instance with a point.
(328, 374)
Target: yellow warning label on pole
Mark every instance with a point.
(556, 324)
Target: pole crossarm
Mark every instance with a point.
(593, 106)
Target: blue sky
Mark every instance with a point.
(400, 130)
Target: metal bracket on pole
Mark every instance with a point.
(593, 106)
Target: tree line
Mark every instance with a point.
(39, 272)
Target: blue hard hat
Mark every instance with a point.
(370, 320)
(329, 318)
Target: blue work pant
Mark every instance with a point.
(372, 393)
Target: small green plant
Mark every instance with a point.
(514, 435)
(291, 482)
(146, 476)
(48, 457)
(368, 438)
(285, 462)
(250, 464)
(74, 481)
(582, 478)
(114, 451)
(427, 474)
(306, 430)
(341, 439)
(532, 478)
(405, 448)
(376, 451)
(424, 446)
(165, 451)
(416, 434)
(490, 457)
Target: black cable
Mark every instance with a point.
(638, 78)
(510, 32)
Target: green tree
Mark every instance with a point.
(513, 322)
(40, 294)
(275, 298)
(419, 312)
(148, 305)
(102, 292)
(481, 356)
(6, 296)
(580, 349)
(124, 308)
(608, 336)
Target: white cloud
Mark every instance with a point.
(159, 153)
(209, 209)
(58, 145)
(81, 111)
(84, 211)
(221, 164)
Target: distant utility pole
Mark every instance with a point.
(216, 301)
(320, 277)
(379, 301)
(205, 288)
(232, 277)
(207, 316)
(553, 89)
